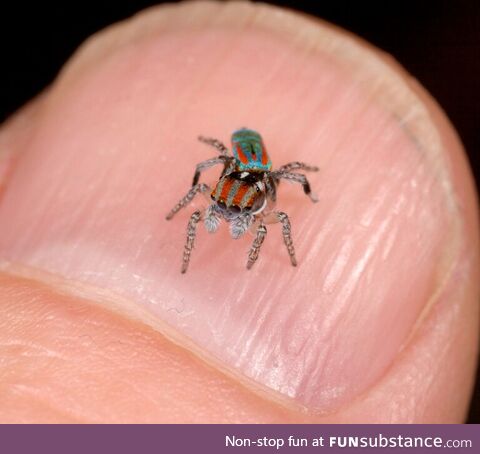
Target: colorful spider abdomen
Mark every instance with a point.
(237, 194)
(249, 151)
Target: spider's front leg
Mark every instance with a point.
(201, 187)
(212, 218)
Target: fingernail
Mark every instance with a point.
(116, 148)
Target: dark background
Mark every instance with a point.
(438, 41)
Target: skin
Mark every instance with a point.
(78, 346)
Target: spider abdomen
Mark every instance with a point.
(249, 151)
(236, 194)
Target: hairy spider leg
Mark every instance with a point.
(201, 166)
(296, 165)
(287, 235)
(201, 187)
(279, 216)
(191, 233)
(212, 218)
(257, 243)
(298, 178)
(271, 187)
(215, 143)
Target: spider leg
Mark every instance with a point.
(212, 218)
(298, 178)
(191, 233)
(287, 235)
(215, 143)
(201, 166)
(240, 224)
(271, 188)
(201, 187)
(296, 165)
(280, 216)
(229, 166)
(257, 243)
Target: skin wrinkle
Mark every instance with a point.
(302, 226)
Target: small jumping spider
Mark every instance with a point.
(244, 195)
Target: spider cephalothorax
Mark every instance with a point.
(244, 195)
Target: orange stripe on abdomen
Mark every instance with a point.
(241, 154)
(226, 188)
